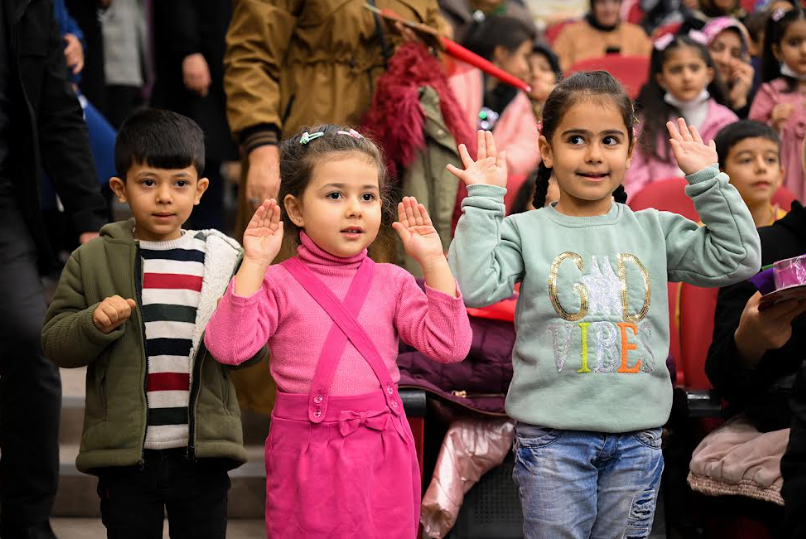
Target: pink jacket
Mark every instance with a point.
(646, 169)
(515, 131)
(295, 326)
(792, 133)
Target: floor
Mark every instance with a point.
(90, 528)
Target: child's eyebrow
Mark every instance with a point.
(587, 133)
(343, 185)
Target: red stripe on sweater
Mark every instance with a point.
(172, 281)
(169, 381)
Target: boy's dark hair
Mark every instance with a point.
(655, 111)
(577, 87)
(545, 51)
(773, 35)
(731, 135)
(754, 22)
(526, 192)
(498, 31)
(297, 161)
(159, 139)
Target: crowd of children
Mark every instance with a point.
(160, 315)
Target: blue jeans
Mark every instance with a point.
(576, 484)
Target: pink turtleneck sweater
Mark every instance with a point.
(295, 326)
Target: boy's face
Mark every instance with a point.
(755, 170)
(161, 199)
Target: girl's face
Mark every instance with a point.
(685, 74)
(543, 77)
(589, 153)
(341, 207)
(725, 49)
(792, 48)
(516, 62)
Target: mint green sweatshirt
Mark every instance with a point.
(592, 317)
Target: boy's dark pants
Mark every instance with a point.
(134, 499)
(30, 388)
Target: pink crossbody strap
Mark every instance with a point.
(344, 317)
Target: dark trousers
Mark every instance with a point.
(30, 388)
(134, 499)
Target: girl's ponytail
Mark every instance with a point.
(620, 194)
(541, 185)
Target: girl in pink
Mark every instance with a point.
(781, 99)
(340, 457)
(683, 81)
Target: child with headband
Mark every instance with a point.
(340, 457)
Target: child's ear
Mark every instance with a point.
(710, 72)
(659, 80)
(294, 210)
(629, 153)
(545, 151)
(776, 51)
(118, 187)
(201, 187)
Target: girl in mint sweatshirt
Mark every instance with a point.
(590, 388)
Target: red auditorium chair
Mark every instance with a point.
(631, 71)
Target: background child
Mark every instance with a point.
(780, 100)
(750, 154)
(154, 407)
(544, 67)
(590, 388)
(340, 458)
(491, 104)
(682, 82)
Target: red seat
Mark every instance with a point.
(636, 15)
(661, 31)
(631, 71)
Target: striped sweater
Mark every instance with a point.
(172, 283)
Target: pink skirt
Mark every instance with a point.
(355, 474)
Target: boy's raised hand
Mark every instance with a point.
(263, 236)
(419, 237)
(489, 169)
(690, 151)
(112, 312)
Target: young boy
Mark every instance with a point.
(162, 424)
(750, 154)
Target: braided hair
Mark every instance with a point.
(565, 95)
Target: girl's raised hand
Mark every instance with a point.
(690, 151)
(264, 234)
(489, 169)
(419, 237)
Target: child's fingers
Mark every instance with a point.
(467, 161)
(132, 303)
(401, 214)
(674, 134)
(490, 142)
(457, 172)
(410, 212)
(695, 135)
(102, 318)
(417, 210)
(481, 146)
(712, 144)
(426, 217)
(402, 231)
(501, 160)
(677, 147)
(685, 133)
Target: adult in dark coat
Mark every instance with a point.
(189, 63)
(751, 370)
(41, 127)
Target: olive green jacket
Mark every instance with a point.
(116, 409)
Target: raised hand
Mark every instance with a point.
(419, 237)
(490, 167)
(112, 312)
(690, 151)
(263, 236)
(780, 114)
